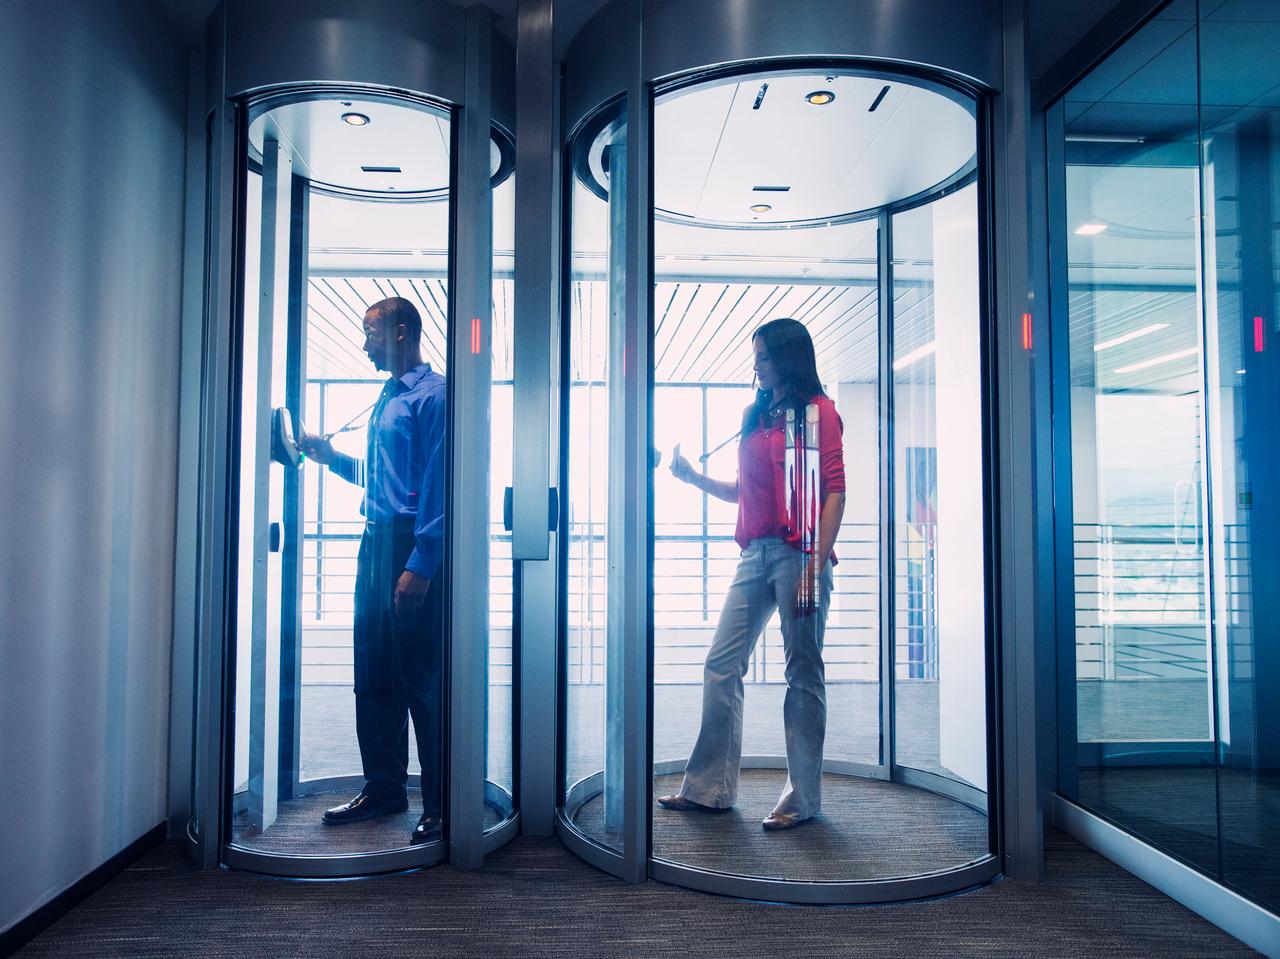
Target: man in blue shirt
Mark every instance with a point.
(398, 639)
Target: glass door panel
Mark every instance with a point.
(939, 535)
(1240, 183)
(1143, 691)
(592, 755)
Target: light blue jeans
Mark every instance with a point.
(767, 576)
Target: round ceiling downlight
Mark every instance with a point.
(820, 98)
(760, 208)
(355, 119)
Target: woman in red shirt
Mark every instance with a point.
(775, 573)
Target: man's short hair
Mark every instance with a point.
(397, 310)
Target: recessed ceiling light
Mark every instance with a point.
(820, 98)
(760, 208)
(1090, 229)
(355, 119)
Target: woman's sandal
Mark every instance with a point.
(681, 804)
(779, 820)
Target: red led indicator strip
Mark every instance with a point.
(1026, 331)
(1259, 335)
(475, 335)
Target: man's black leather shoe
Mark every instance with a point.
(427, 830)
(364, 807)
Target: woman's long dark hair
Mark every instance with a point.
(791, 350)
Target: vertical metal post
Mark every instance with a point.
(471, 374)
(888, 551)
(535, 394)
(633, 535)
(1064, 506)
(215, 522)
(1020, 472)
(617, 548)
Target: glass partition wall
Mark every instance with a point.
(806, 194)
(1165, 177)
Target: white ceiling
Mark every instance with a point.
(713, 145)
(332, 152)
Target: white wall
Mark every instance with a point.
(91, 199)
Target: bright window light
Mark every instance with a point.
(1090, 229)
(1116, 341)
(915, 355)
(1158, 360)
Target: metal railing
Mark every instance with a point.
(1140, 601)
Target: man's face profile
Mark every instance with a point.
(377, 344)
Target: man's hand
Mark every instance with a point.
(316, 447)
(411, 593)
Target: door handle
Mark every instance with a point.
(273, 538)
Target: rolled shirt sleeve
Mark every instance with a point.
(830, 447)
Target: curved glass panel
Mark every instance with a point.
(499, 755)
(592, 734)
(345, 302)
(940, 612)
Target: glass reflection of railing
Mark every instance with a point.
(328, 601)
(1141, 599)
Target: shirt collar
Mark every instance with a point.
(411, 379)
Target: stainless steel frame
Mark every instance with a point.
(1223, 907)
(265, 53)
(628, 52)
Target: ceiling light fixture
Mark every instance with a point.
(1158, 360)
(1133, 335)
(916, 355)
(760, 208)
(820, 98)
(355, 119)
(1090, 229)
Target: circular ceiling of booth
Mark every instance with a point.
(367, 148)
(779, 150)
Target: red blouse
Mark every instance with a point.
(762, 510)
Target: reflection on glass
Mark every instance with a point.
(940, 615)
(498, 756)
(593, 788)
(338, 332)
(1144, 711)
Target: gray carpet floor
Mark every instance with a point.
(867, 830)
(533, 898)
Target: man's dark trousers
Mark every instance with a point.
(398, 670)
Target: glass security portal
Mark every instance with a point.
(346, 203)
(847, 201)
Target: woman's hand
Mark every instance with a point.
(680, 467)
(807, 588)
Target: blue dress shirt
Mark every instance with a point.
(403, 471)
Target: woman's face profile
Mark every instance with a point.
(766, 375)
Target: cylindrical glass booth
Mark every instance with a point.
(345, 493)
(847, 195)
